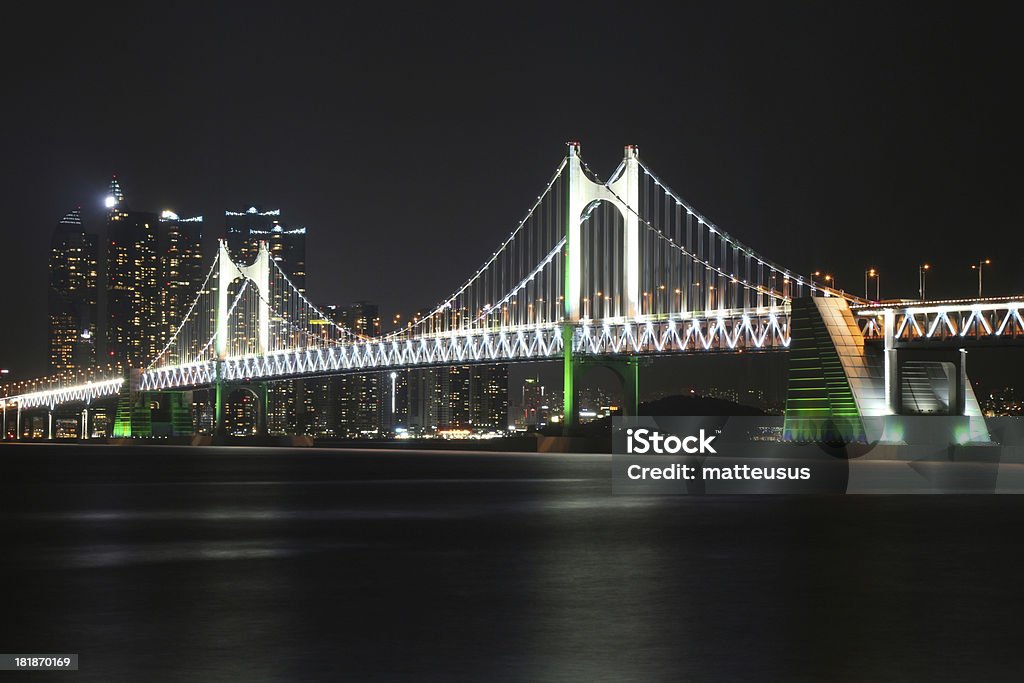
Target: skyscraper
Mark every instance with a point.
(244, 230)
(489, 398)
(395, 403)
(471, 397)
(180, 257)
(133, 292)
(361, 401)
(362, 317)
(239, 227)
(455, 393)
(72, 297)
(359, 404)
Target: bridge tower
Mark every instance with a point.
(258, 273)
(622, 192)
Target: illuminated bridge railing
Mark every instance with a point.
(731, 331)
(965, 320)
(81, 393)
(760, 330)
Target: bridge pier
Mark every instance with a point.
(218, 410)
(842, 391)
(570, 415)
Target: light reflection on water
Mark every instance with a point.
(300, 566)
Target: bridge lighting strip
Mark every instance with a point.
(79, 392)
(686, 335)
(974, 306)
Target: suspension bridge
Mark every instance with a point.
(598, 272)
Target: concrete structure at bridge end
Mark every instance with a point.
(842, 390)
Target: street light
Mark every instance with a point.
(872, 273)
(922, 274)
(979, 267)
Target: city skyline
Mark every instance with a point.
(152, 270)
(270, 230)
(142, 251)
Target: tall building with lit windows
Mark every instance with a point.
(488, 401)
(362, 317)
(290, 410)
(362, 397)
(244, 230)
(469, 397)
(180, 257)
(239, 227)
(133, 290)
(72, 297)
(395, 400)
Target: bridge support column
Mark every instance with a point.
(17, 436)
(83, 433)
(891, 365)
(49, 423)
(961, 385)
(4, 437)
(218, 410)
(570, 413)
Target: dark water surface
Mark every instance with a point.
(221, 564)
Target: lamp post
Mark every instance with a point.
(979, 267)
(394, 378)
(922, 274)
(872, 273)
(830, 282)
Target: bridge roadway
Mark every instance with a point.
(948, 323)
(951, 323)
(727, 331)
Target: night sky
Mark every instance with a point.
(410, 142)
